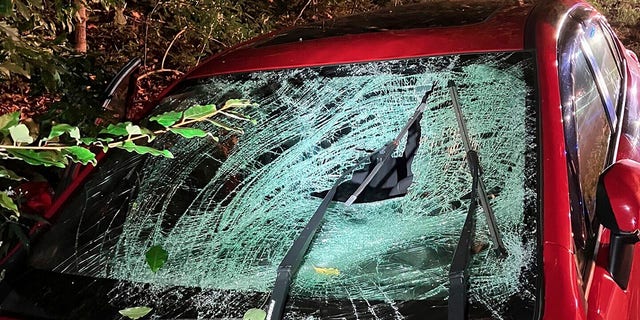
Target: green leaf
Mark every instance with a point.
(89, 141)
(133, 129)
(254, 314)
(9, 120)
(20, 134)
(7, 203)
(60, 129)
(135, 312)
(80, 155)
(107, 140)
(238, 103)
(199, 112)
(6, 8)
(189, 132)
(75, 133)
(167, 119)
(118, 129)
(14, 68)
(40, 158)
(156, 257)
(50, 78)
(132, 147)
(8, 174)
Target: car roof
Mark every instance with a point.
(435, 28)
(436, 13)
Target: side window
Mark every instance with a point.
(592, 130)
(591, 81)
(600, 47)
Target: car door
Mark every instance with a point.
(592, 82)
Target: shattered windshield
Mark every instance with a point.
(228, 212)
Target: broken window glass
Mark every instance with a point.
(228, 212)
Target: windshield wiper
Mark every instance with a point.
(482, 193)
(457, 305)
(293, 259)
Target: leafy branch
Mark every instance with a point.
(65, 144)
(19, 142)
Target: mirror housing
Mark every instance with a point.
(618, 209)
(118, 94)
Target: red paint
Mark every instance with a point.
(606, 299)
(564, 298)
(79, 179)
(621, 178)
(37, 196)
(628, 147)
(54, 208)
(501, 32)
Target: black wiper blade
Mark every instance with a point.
(292, 260)
(457, 304)
(482, 193)
(290, 265)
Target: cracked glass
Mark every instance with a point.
(227, 212)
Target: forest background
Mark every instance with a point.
(57, 56)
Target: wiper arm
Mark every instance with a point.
(482, 193)
(293, 259)
(457, 305)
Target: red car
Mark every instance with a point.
(457, 159)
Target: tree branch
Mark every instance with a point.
(170, 45)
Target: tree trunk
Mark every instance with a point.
(81, 27)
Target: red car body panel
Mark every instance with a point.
(511, 29)
(503, 31)
(563, 297)
(606, 299)
(626, 205)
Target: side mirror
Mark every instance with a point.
(118, 94)
(618, 209)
